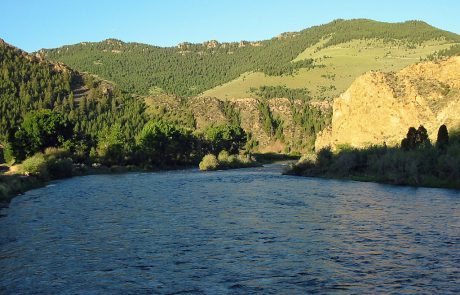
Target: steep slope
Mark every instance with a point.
(29, 83)
(380, 107)
(191, 69)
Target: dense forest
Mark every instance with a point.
(190, 69)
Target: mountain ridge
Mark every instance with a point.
(190, 69)
(281, 35)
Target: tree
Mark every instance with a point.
(225, 137)
(163, 143)
(415, 138)
(421, 138)
(39, 130)
(110, 145)
(443, 137)
(408, 143)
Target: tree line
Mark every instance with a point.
(416, 161)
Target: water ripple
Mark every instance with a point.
(248, 231)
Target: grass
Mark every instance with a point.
(343, 64)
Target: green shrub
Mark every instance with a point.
(209, 162)
(60, 168)
(232, 161)
(223, 157)
(35, 165)
(324, 156)
(8, 154)
(244, 159)
(56, 153)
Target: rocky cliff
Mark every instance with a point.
(380, 107)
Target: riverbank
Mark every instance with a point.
(423, 167)
(13, 184)
(432, 183)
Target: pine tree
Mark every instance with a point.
(443, 137)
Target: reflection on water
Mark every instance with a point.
(232, 232)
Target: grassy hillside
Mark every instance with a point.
(289, 59)
(342, 63)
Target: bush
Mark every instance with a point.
(232, 161)
(209, 162)
(324, 156)
(35, 165)
(244, 159)
(223, 157)
(60, 168)
(8, 154)
(56, 153)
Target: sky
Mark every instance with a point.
(32, 24)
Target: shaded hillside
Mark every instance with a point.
(380, 107)
(91, 106)
(190, 69)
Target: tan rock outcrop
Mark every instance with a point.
(380, 107)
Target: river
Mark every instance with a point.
(246, 231)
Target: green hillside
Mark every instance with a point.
(341, 64)
(52, 117)
(191, 69)
(85, 107)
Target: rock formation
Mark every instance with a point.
(380, 107)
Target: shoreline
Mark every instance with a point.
(22, 183)
(377, 180)
(19, 184)
(12, 185)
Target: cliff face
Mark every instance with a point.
(380, 107)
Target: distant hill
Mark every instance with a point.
(310, 59)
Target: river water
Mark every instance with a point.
(247, 231)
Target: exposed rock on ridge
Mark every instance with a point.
(380, 107)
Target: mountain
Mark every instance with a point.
(380, 107)
(30, 84)
(279, 90)
(193, 69)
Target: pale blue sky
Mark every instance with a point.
(33, 24)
